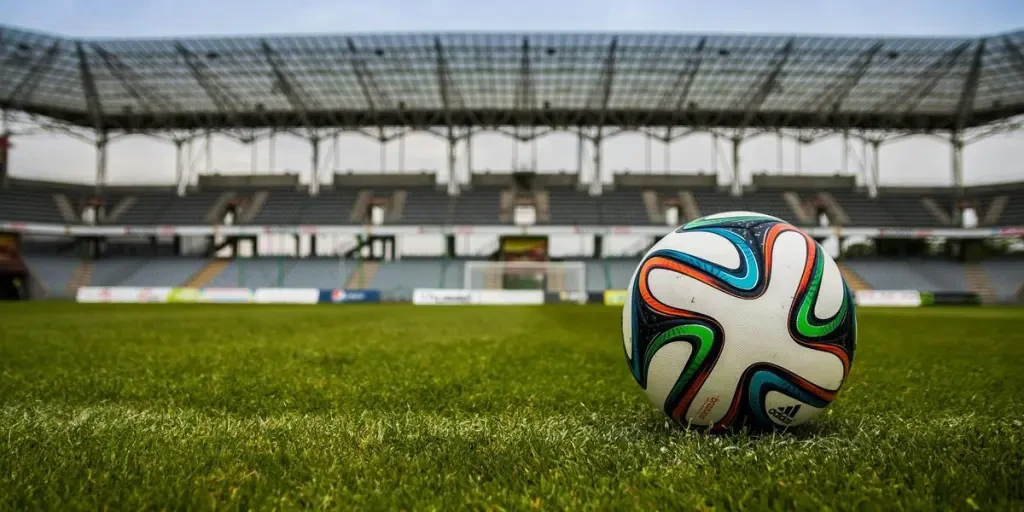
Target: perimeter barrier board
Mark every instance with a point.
(614, 297)
(440, 297)
(340, 296)
(286, 296)
(566, 298)
(183, 295)
(226, 295)
(888, 298)
(952, 299)
(122, 294)
(451, 297)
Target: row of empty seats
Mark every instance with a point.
(482, 206)
(911, 274)
(398, 278)
(1006, 276)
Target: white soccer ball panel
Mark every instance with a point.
(681, 291)
(666, 367)
(702, 244)
(832, 292)
(737, 213)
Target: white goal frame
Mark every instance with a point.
(560, 276)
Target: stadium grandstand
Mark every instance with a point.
(347, 231)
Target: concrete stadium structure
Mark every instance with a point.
(458, 85)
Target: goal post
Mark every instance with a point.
(568, 277)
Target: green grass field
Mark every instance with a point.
(399, 407)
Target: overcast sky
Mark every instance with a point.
(137, 159)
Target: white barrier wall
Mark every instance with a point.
(286, 296)
(122, 294)
(439, 297)
(888, 298)
(451, 297)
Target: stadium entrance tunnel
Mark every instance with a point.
(13, 286)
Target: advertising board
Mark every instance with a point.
(888, 298)
(286, 295)
(507, 297)
(226, 295)
(440, 297)
(449, 297)
(121, 294)
(339, 296)
(614, 297)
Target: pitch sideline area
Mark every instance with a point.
(399, 407)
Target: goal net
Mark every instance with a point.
(567, 278)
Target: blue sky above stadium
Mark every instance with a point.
(917, 160)
(218, 17)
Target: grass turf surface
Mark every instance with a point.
(398, 407)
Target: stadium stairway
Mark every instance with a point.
(978, 283)
(119, 208)
(65, 208)
(797, 206)
(216, 211)
(542, 204)
(691, 211)
(653, 206)
(81, 277)
(253, 206)
(937, 211)
(856, 282)
(359, 209)
(995, 210)
(506, 205)
(836, 213)
(206, 274)
(361, 277)
(396, 207)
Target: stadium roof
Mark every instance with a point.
(558, 80)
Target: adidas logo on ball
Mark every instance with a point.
(785, 414)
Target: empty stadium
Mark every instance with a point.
(135, 235)
(317, 400)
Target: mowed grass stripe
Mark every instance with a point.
(516, 408)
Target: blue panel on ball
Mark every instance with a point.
(748, 266)
(766, 380)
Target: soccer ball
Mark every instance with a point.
(739, 319)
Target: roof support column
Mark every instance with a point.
(779, 157)
(453, 184)
(714, 154)
(846, 153)
(957, 144)
(668, 149)
(101, 161)
(647, 152)
(272, 150)
(737, 186)
(876, 146)
(579, 157)
(469, 153)
(335, 152)
(179, 167)
(314, 173)
(209, 152)
(595, 182)
(798, 157)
